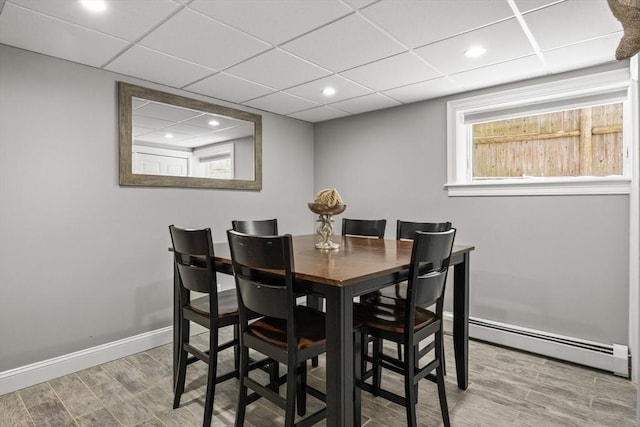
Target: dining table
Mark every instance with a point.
(359, 266)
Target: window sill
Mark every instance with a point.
(541, 187)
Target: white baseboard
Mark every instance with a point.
(36, 373)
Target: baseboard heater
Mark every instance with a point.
(607, 357)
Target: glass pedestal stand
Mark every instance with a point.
(325, 226)
(325, 230)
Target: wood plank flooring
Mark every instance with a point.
(507, 388)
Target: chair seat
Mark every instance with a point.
(227, 304)
(310, 326)
(389, 315)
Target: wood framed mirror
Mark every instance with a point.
(169, 140)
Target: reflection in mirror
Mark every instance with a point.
(169, 140)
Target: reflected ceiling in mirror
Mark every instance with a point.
(172, 141)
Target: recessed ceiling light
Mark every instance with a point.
(168, 135)
(328, 91)
(94, 5)
(214, 123)
(475, 51)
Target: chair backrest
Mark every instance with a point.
(193, 254)
(430, 258)
(265, 227)
(263, 270)
(364, 227)
(406, 230)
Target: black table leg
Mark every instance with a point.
(340, 362)
(461, 320)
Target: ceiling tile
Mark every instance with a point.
(55, 37)
(345, 89)
(416, 23)
(344, 44)
(277, 69)
(424, 90)
(168, 112)
(399, 70)
(128, 20)
(319, 114)
(264, 19)
(570, 22)
(503, 41)
(281, 103)
(229, 88)
(187, 129)
(151, 123)
(359, 4)
(366, 103)
(224, 122)
(192, 36)
(161, 137)
(529, 5)
(510, 71)
(157, 67)
(585, 54)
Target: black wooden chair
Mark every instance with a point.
(409, 323)
(268, 227)
(193, 254)
(406, 230)
(264, 227)
(287, 332)
(364, 227)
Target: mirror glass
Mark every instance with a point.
(173, 141)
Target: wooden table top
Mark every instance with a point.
(357, 258)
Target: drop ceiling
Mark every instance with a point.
(278, 55)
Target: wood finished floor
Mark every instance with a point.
(507, 388)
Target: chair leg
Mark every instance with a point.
(236, 350)
(274, 375)
(416, 362)
(377, 367)
(301, 386)
(178, 387)
(409, 388)
(364, 351)
(317, 303)
(444, 408)
(442, 396)
(290, 406)
(242, 388)
(441, 353)
(211, 378)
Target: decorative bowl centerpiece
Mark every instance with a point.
(326, 204)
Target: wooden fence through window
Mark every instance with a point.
(581, 142)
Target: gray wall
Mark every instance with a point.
(84, 261)
(558, 263)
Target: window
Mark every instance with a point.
(565, 137)
(215, 161)
(219, 168)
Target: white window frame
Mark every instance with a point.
(459, 143)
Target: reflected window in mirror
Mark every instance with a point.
(170, 140)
